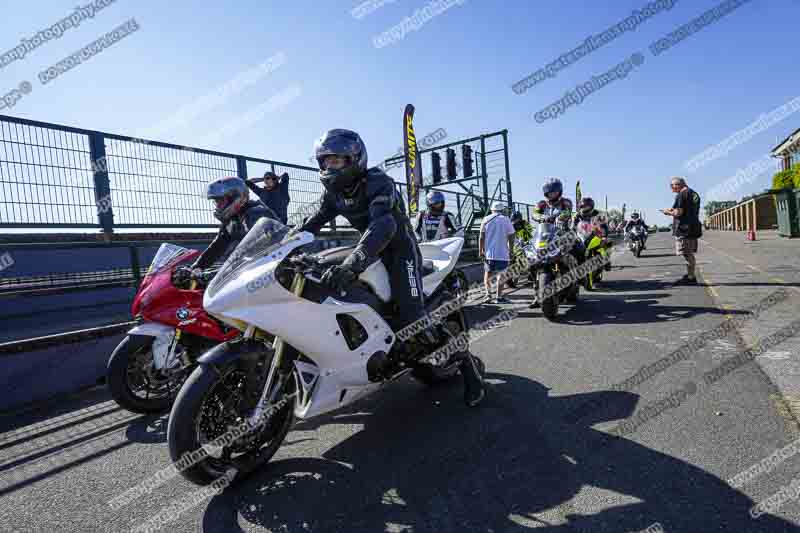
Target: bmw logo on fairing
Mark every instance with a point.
(182, 313)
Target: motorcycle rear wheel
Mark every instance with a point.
(435, 375)
(457, 283)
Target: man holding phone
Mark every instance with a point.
(686, 226)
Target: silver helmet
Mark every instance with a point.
(229, 196)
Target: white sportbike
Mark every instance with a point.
(305, 350)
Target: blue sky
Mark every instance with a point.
(625, 140)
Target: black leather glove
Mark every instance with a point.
(338, 277)
(182, 276)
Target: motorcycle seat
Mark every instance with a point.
(336, 256)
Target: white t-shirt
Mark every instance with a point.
(496, 229)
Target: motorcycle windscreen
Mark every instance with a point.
(263, 238)
(166, 254)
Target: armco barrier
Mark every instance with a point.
(37, 369)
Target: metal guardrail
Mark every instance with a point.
(39, 343)
(58, 282)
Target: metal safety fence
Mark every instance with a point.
(58, 176)
(55, 176)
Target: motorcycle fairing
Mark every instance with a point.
(312, 328)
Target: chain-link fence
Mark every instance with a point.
(58, 176)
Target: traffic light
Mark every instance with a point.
(451, 164)
(436, 162)
(466, 160)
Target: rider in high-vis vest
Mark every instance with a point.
(435, 223)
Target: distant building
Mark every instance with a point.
(788, 150)
(756, 212)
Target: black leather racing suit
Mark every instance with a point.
(377, 210)
(234, 231)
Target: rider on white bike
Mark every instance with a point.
(368, 199)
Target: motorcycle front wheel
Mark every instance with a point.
(208, 408)
(549, 305)
(134, 383)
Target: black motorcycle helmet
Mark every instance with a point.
(552, 185)
(634, 216)
(347, 144)
(586, 206)
(229, 196)
(517, 221)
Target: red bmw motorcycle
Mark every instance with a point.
(146, 370)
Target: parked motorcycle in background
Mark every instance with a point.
(146, 370)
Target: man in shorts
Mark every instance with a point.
(496, 241)
(686, 226)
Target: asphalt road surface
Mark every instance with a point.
(413, 458)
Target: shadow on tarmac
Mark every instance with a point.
(654, 256)
(424, 462)
(595, 308)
